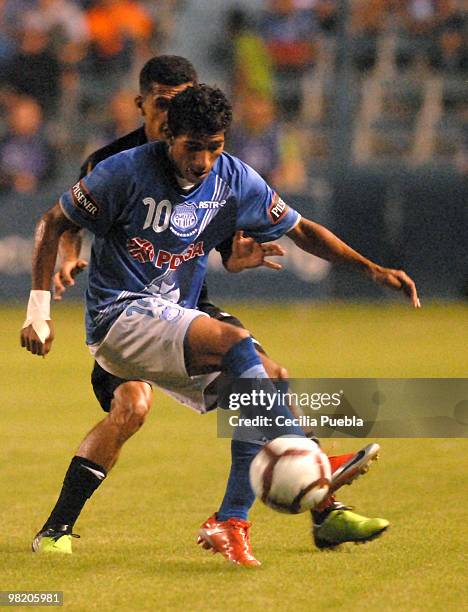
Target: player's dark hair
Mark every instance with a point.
(166, 70)
(200, 110)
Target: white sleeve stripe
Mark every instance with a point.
(296, 222)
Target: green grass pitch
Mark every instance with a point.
(137, 549)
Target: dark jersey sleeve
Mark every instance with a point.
(129, 141)
(225, 248)
(87, 166)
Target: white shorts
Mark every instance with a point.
(146, 343)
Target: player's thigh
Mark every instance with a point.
(146, 342)
(273, 369)
(215, 312)
(208, 340)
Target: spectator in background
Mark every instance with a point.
(249, 61)
(367, 22)
(26, 157)
(326, 13)
(449, 54)
(265, 144)
(124, 117)
(34, 70)
(118, 29)
(63, 21)
(289, 35)
(7, 37)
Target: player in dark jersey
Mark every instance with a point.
(136, 240)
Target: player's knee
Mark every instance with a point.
(139, 408)
(273, 369)
(130, 408)
(129, 416)
(277, 372)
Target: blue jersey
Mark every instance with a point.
(152, 238)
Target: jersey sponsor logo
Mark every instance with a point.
(211, 204)
(140, 249)
(173, 260)
(184, 220)
(277, 209)
(83, 200)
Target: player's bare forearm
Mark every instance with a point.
(321, 242)
(318, 240)
(37, 333)
(70, 244)
(70, 264)
(46, 240)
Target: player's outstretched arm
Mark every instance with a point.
(70, 263)
(317, 240)
(37, 332)
(246, 253)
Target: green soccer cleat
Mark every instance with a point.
(54, 540)
(343, 525)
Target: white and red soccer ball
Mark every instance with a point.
(291, 475)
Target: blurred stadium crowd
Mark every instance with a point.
(312, 81)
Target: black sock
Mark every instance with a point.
(81, 480)
(319, 517)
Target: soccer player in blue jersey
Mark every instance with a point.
(128, 401)
(156, 212)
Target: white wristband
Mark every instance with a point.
(38, 313)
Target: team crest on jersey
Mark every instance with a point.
(184, 220)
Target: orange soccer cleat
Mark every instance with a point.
(336, 461)
(352, 467)
(231, 538)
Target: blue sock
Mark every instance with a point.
(239, 496)
(242, 362)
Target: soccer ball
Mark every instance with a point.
(291, 475)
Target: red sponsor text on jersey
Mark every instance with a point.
(175, 259)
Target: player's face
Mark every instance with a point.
(154, 107)
(194, 156)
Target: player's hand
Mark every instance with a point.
(398, 280)
(30, 340)
(246, 253)
(65, 277)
